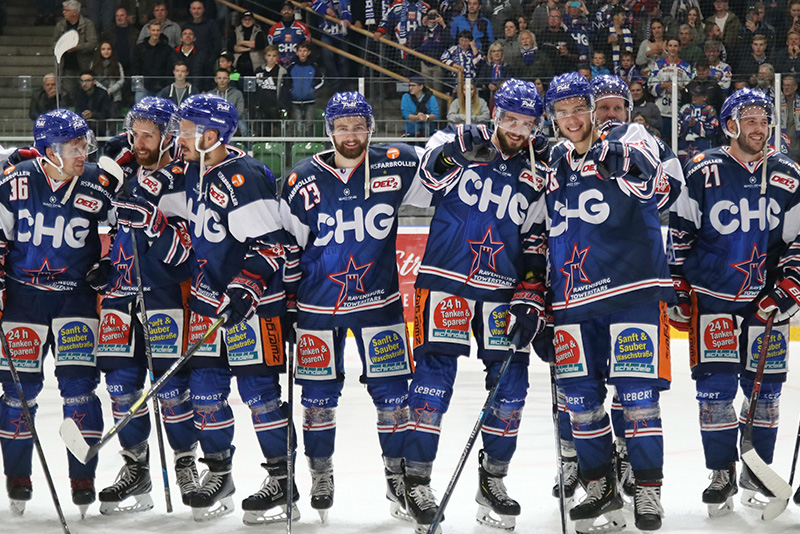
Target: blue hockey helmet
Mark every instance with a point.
(157, 110)
(608, 85)
(206, 112)
(55, 129)
(740, 100)
(565, 87)
(348, 104)
(517, 96)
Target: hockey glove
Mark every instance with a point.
(98, 275)
(526, 313)
(784, 297)
(138, 213)
(681, 313)
(241, 298)
(472, 146)
(615, 159)
(21, 154)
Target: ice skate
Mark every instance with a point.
(754, 494)
(647, 509)
(212, 499)
(495, 508)
(186, 476)
(19, 491)
(396, 494)
(569, 470)
(627, 484)
(601, 509)
(420, 503)
(133, 481)
(82, 493)
(719, 494)
(322, 492)
(268, 505)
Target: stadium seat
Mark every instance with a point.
(304, 150)
(273, 155)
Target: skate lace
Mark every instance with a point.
(210, 483)
(126, 476)
(570, 470)
(269, 488)
(648, 500)
(626, 472)
(321, 484)
(498, 489)
(595, 490)
(397, 482)
(186, 475)
(720, 478)
(423, 497)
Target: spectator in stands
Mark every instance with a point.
(226, 62)
(306, 78)
(493, 73)
(713, 33)
(450, 9)
(248, 42)
(44, 98)
(748, 65)
(653, 49)
(153, 60)
(755, 24)
(170, 30)
(334, 35)
(199, 66)
(180, 89)
(694, 18)
(208, 38)
(765, 80)
(108, 73)
(93, 104)
(787, 60)
(729, 24)
(532, 63)
(232, 95)
(541, 13)
(585, 71)
(457, 114)
(499, 11)
(638, 117)
(720, 70)
(510, 42)
(101, 13)
(401, 20)
(122, 36)
(577, 25)
(698, 124)
(690, 52)
(287, 34)
(599, 64)
(789, 19)
(790, 114)
(479, 26)
(431, 39)
(628, 70)
(643, 18)
(270, 94)
(643, 105)
(702, 76)
(419, 108)
(660, 83)
(616, 38)
(464, 56)
(558, 45)
(80, 59)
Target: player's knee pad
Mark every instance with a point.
(511, 392)
(432, 387)
(74, 387)
(391, 401)
(767, 414)
(209, 388)
(585, 403)
(322, 394)
(30, 389)
(715, 394)
(125, 380)
(260, 393)
(639, 404)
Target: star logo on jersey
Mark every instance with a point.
(123, 264)
(351, 280)
(512, 422)
(485, 249)
(752, 269)
(313, 414)
(20, 426)
(45, 273)
(206, 418)
(424, 415)
(78, 418)
(573, 268)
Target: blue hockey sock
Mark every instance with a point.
(766, 417)
(501, 424)
(262, 395)
(718, 422)
(213, 417)
(643, 433)
(591, 428)
(125, 387)
(391, 402)
(177, 413)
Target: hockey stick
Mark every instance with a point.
(768, 477)
(796, 497)
(71, 434)
(290, 433)
(26, 411)
(473, 436)
(562, 505)
(65, 43)
(110, 166)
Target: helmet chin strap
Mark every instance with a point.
(60, 168)
(203, 153)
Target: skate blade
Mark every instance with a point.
(720, 509)
(398, 512)
(424, 529)
(627, 502)
(221, 508)
(142, 503)
(323, 516)
(755, 500)
(17, 507)
(490, 518)
(614, 522)
(254, 518)
(83, 508)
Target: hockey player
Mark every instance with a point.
(237, 238)
(340, 210)
(50, 209)
(734, 240)
(611, 286)
(487, 227)
(155, 185)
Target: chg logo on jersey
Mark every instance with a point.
(495, 318)
(25, 344)
(776, 351)
(634, 351)
(450, 318)
(569, 352)
(165, 333)
(242, 343)
(315, 360)
(387, 353)
(719, 341)
(74, 341)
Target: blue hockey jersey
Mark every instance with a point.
(727, 239)
(343, 261)
(487, 232)
(605, 244)
(50, 244)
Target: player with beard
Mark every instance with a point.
(480, 263)
(340, 209)
(147, 206)
(734, 241)
(610, 285)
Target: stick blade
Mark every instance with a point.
(74, 440)
(67, 41)
(111, 167)
(771, 480)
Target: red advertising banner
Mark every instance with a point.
(411, 242)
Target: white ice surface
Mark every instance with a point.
(360, 505)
